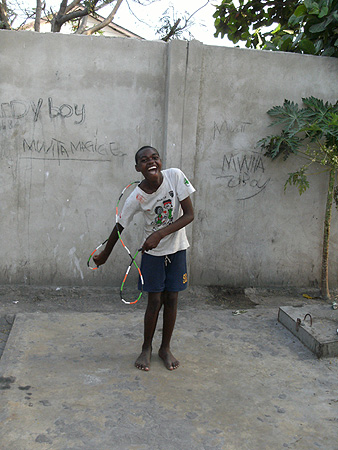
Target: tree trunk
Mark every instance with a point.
(4, 22)
(37, 16)
(327, 223)
(56, 23)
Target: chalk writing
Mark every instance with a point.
(245, 172)
(65, 111)
(7, 124)
(226, 127)
(244, 163)
(57, 149)
(242, 171)
(11, 112)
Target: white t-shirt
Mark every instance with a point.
(160, 209)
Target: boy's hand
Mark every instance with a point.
(152, 241)
(100, 259)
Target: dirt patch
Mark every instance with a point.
(230, 298)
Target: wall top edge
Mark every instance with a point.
(32, 35)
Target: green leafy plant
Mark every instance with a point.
(312, 133)
(309, 26)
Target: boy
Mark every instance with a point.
(163, 197)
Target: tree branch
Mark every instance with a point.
(105, 22)
(73, 15)
(172, 31)
(72, 5)
(82, 26)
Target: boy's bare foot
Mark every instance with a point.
(169, 359)
(143, 361)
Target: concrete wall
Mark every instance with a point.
(74, 109)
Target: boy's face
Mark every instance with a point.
(149, 163)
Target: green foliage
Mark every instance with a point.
(90, 5)
(311, 132)
(298, 179)
(300, 26)
(284, 144)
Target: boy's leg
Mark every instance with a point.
(150, 321)
(169, 319)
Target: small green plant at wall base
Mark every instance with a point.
(310, 132)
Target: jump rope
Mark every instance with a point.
(133, 258)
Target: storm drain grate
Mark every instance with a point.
(6, 323)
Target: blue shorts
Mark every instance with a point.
(164, 273)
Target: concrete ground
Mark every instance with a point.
(68, 382)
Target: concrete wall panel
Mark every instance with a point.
(247, 229)
(74, 109)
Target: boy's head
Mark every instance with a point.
(140, 150)
(148, 161)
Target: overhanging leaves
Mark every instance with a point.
(298, 26)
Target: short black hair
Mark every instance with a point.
(143, 148)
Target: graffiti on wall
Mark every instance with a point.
(226, 127)
(57, 149)
(11, 112)
(15, 113)
(242, 171)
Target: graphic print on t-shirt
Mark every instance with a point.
(164, 214)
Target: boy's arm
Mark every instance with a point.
(102, 257)
(188, 216)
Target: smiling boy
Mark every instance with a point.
(163, 196)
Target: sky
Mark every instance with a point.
(202, 30)
(143, 20)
